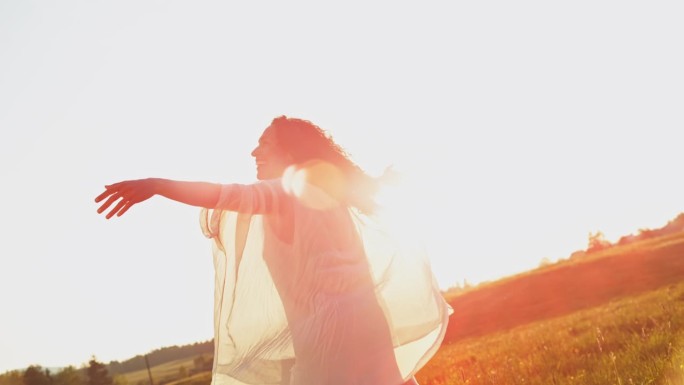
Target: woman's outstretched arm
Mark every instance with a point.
(131, 192)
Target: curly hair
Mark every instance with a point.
(307, 142)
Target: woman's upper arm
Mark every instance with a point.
(257, 198)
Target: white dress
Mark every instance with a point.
(310, 296)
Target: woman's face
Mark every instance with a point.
(271, 159)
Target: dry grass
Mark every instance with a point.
(161, 374)
(636, 340)
(572, 286)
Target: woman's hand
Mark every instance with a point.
(130, 192)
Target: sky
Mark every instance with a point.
(520, 128)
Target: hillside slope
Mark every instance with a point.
(567, 287)
(162, 356)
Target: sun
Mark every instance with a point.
(399, 208)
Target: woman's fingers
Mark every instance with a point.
(105, 194)
(129, 192)
(116, 209)
(114, 195)
(109, 202)
(111, 189)
(125, 208)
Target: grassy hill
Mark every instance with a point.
(613, 317)
(162, 356)
(567, 287)
(171, 372)
(634, 340)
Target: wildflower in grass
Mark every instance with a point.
(599, 339)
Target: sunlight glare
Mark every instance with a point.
(318, 185)
(399, 211)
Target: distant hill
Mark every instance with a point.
(161, 356)
(571, 285)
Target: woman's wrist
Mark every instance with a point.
(157, 185)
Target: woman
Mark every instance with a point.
(309, 290)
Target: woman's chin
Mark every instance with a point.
(263, 175)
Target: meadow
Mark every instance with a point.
(612, 317)
(161, 374)
(634, 340)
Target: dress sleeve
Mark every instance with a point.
(263, 197)
(257, 198)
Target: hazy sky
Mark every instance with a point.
(521, 127)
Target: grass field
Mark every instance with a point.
(203, 378)
(636, 340)
(614, 317)
(165, 373)
(568, 287)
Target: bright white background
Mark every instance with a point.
(521, 127)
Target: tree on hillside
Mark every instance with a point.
(97, 373)
(202, 363)
(36, 375)
(597, 242)
(182, 372)
(545, 262)
(14, 377)
(678, 221)
(68, 376)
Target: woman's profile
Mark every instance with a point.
(309, 290)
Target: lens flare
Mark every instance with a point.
(316, 184)
(400, 212)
